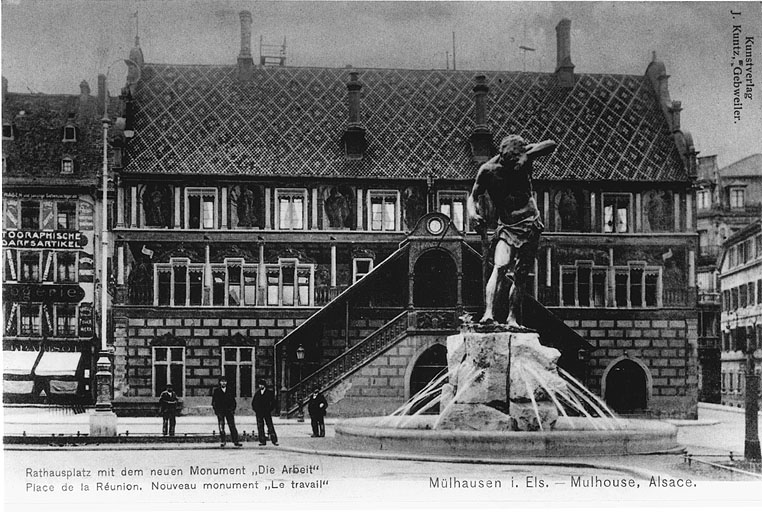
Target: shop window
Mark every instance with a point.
(616, 213)
(30, 215)
(66, 267)
(201, 208)
(10, 266)
(360, 268)
(453, 204)
(66, 320)
(30, 322)
(30, 266)
(66, 216)
(291, 208)
(238, 368)
(169, 367)
(384, 209)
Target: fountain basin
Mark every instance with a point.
(570, 437)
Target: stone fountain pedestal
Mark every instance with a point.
(481, 364)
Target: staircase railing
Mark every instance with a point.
(354, 358)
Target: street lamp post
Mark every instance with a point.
(299, 397)
(103, 420)
(751, 439)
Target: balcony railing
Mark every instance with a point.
(325, 294)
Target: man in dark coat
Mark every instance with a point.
(317, 406)
(263, 404)
(223, 403)
(168, 409)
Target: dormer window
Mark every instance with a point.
(7, 131)
(67, 165)
(69, 133)
(737, 197)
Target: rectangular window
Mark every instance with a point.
(164, 285)
(234, 284)
(583, 286)
(179, 284)
(273, 285)
(66, 320)
(169, 367)
(30, 320)
(737, 196)
(250, 285)
(742, 296)
(303, 276)
(30, 266)
(66, 216)
(383, 210)
(30, 215)
(201, 208)
(292, 208)
(67, 166)
(196, 285)
(734, 298)
(288, 278)
(70, 133)
(616, 213)
(218, 286)
(360, 268)
(238, 368)
(702, 200)
(453, 204)
(726, 300)
(66, 271)
(758, 244)
(10, 265)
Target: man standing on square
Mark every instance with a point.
(262, 404)
(168, 408)
(317, 406)
(223, 403)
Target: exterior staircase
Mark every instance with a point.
(348, 362)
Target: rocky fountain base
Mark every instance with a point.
(505, 398)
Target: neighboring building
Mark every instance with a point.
(727, 200)
(741, 285)
(52, 157)
(263, 209)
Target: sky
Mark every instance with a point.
(50, 46)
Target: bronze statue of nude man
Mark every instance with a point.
(507, 178)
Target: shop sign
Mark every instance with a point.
(43, 293)
(86, 320)
(61, 240)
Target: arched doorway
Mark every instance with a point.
(431, 364)
(436, 281)
(626, 387)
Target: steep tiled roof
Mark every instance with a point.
(288, 121)
(35, 153)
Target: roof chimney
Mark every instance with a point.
(676, 108)
(481, 138)
(245, 62)
(353, 139)
(564, 65)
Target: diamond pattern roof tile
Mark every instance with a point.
(286, 121)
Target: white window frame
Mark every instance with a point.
(67, 165)
(169, 363)
(446, 198)
(238, 363)
(356, 274)
(737, 198)
(384, 194)
(630, 213)
(201, 193)
(69, 128)
(703, 199)
(290, 193)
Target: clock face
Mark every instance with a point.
(435, 226)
